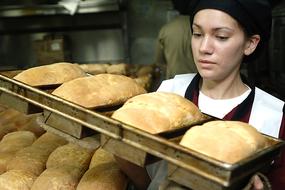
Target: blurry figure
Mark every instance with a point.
(173, 49)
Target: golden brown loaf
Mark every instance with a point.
(94, 69)
(227, 141)
(118, 69)
(107, 176)
(52, 74)
(158, 111)
(17, 179)
(101, 156)
(99, 90)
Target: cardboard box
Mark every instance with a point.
(52, 49)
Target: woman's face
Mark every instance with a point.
(218, 44)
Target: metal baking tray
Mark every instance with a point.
(203, 172)
(186, 162)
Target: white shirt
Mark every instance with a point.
(209, 105)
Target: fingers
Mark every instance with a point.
(257, 183)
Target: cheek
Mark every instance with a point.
(195, 49)
(231, 53)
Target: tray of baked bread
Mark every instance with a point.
(142, 125)
(102, 90)
(224, 155)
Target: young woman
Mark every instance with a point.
(227, 33)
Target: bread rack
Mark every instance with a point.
(186, 167)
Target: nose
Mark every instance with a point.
(206, 46)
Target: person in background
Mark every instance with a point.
(173, 48)
(226, 33)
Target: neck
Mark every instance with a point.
(225, 89)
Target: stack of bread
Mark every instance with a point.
(64, 168)
(227, 141)
(158, 112)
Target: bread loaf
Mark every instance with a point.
(14, 141)
(105, 176)
(158, 111)
(227, 141)
(95, 69)
(101, 156)
(118, 69)
(70, 155)
(33, 158)
(53, 74)
(17, 180)
(65, 166)
(99, 90)
(57, 178)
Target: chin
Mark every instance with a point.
(207, 74)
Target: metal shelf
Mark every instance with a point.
(55, 9)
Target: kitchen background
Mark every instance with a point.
(41, 32)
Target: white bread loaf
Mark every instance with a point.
(101, 156)
(118, 69)
(53, 74)
(227, 141)
(17, 180)
(99, 90)
(14, 141)
(5, 157)
(158, 111)
(105, 176)
(70, 155)
(33, 158)
(11, 143)
(65, 166)
(58, 178)
(95, 69)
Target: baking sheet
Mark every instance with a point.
(216, 172)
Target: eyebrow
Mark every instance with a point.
(215, 29)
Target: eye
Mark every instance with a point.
(222, 38)
(196, 34)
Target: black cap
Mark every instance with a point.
(253, 15)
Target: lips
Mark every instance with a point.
(205, 61)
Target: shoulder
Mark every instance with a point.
(178, 84)
(179, 23)
(267, 113)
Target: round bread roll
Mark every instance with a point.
(227, 141)
(52, 74)
(158, 111)
(99, 91)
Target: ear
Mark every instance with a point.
(251, 44)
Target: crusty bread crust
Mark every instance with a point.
(158, 112)
(227, 141)
(53, 74)
(101, 90)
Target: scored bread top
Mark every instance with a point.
(227, 141)
(53, 74)
(101, 90)
(158, 112)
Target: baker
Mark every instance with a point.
(225, 34)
